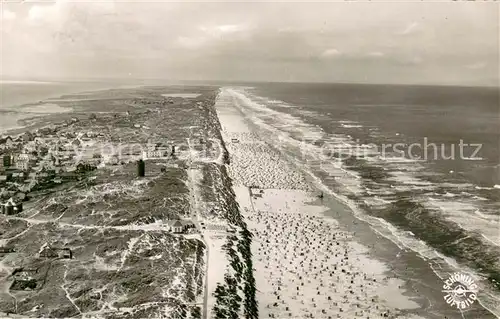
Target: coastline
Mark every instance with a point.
(284, 185)
(428, 288)
(432, 208)
(26, 104)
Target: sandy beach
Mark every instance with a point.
(306, 266)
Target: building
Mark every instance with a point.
(141, 168)
(48, 162)
(24, 284)
(54, 252)
(9, 142)
(24, 279)
(67, 253)
(18, 207)
(155, 150)
(30, 147)
(18, 177)
(22, 165)
(24, 161)
(7, 161)
(6, 250)
(48, 252)
(21, 197)
(11, 207)
(7, 208)
(188, 224)
(180, 226)
(157, 153)
(26, 137)
(69, 176)
(176, 227)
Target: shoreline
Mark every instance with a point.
(368, 234)
(432, 212)
(338, 302)
(53, 97)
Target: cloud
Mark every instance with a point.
(47, 13)
(229, 28)
(8, 15)
(191, 42)
(224, 30)
(220, 40)
(414, 60)
(476, 66)
(376, 54)
(409, 29)
(331, 53)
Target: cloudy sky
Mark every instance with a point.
(371, 42)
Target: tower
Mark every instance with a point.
(141, 168)
(9, 208)
(7, 160)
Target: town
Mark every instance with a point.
(50, 157)
(99, 205)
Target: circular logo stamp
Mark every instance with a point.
(460, 290)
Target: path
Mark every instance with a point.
(194, 212)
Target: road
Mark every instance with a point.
(194, 212)
(194, 216)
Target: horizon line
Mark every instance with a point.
(4, 78)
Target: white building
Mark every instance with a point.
(24, 161)
(176, 227)
(155, 153)
(180, 226)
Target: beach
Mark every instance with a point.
(307, 264)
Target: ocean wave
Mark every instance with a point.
(487, 188)
(289, 123)
(271, 102)
(351, 125)
(469, 217)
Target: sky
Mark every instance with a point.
(450, 43)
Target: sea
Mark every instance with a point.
(22, 99)
(419, 164)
